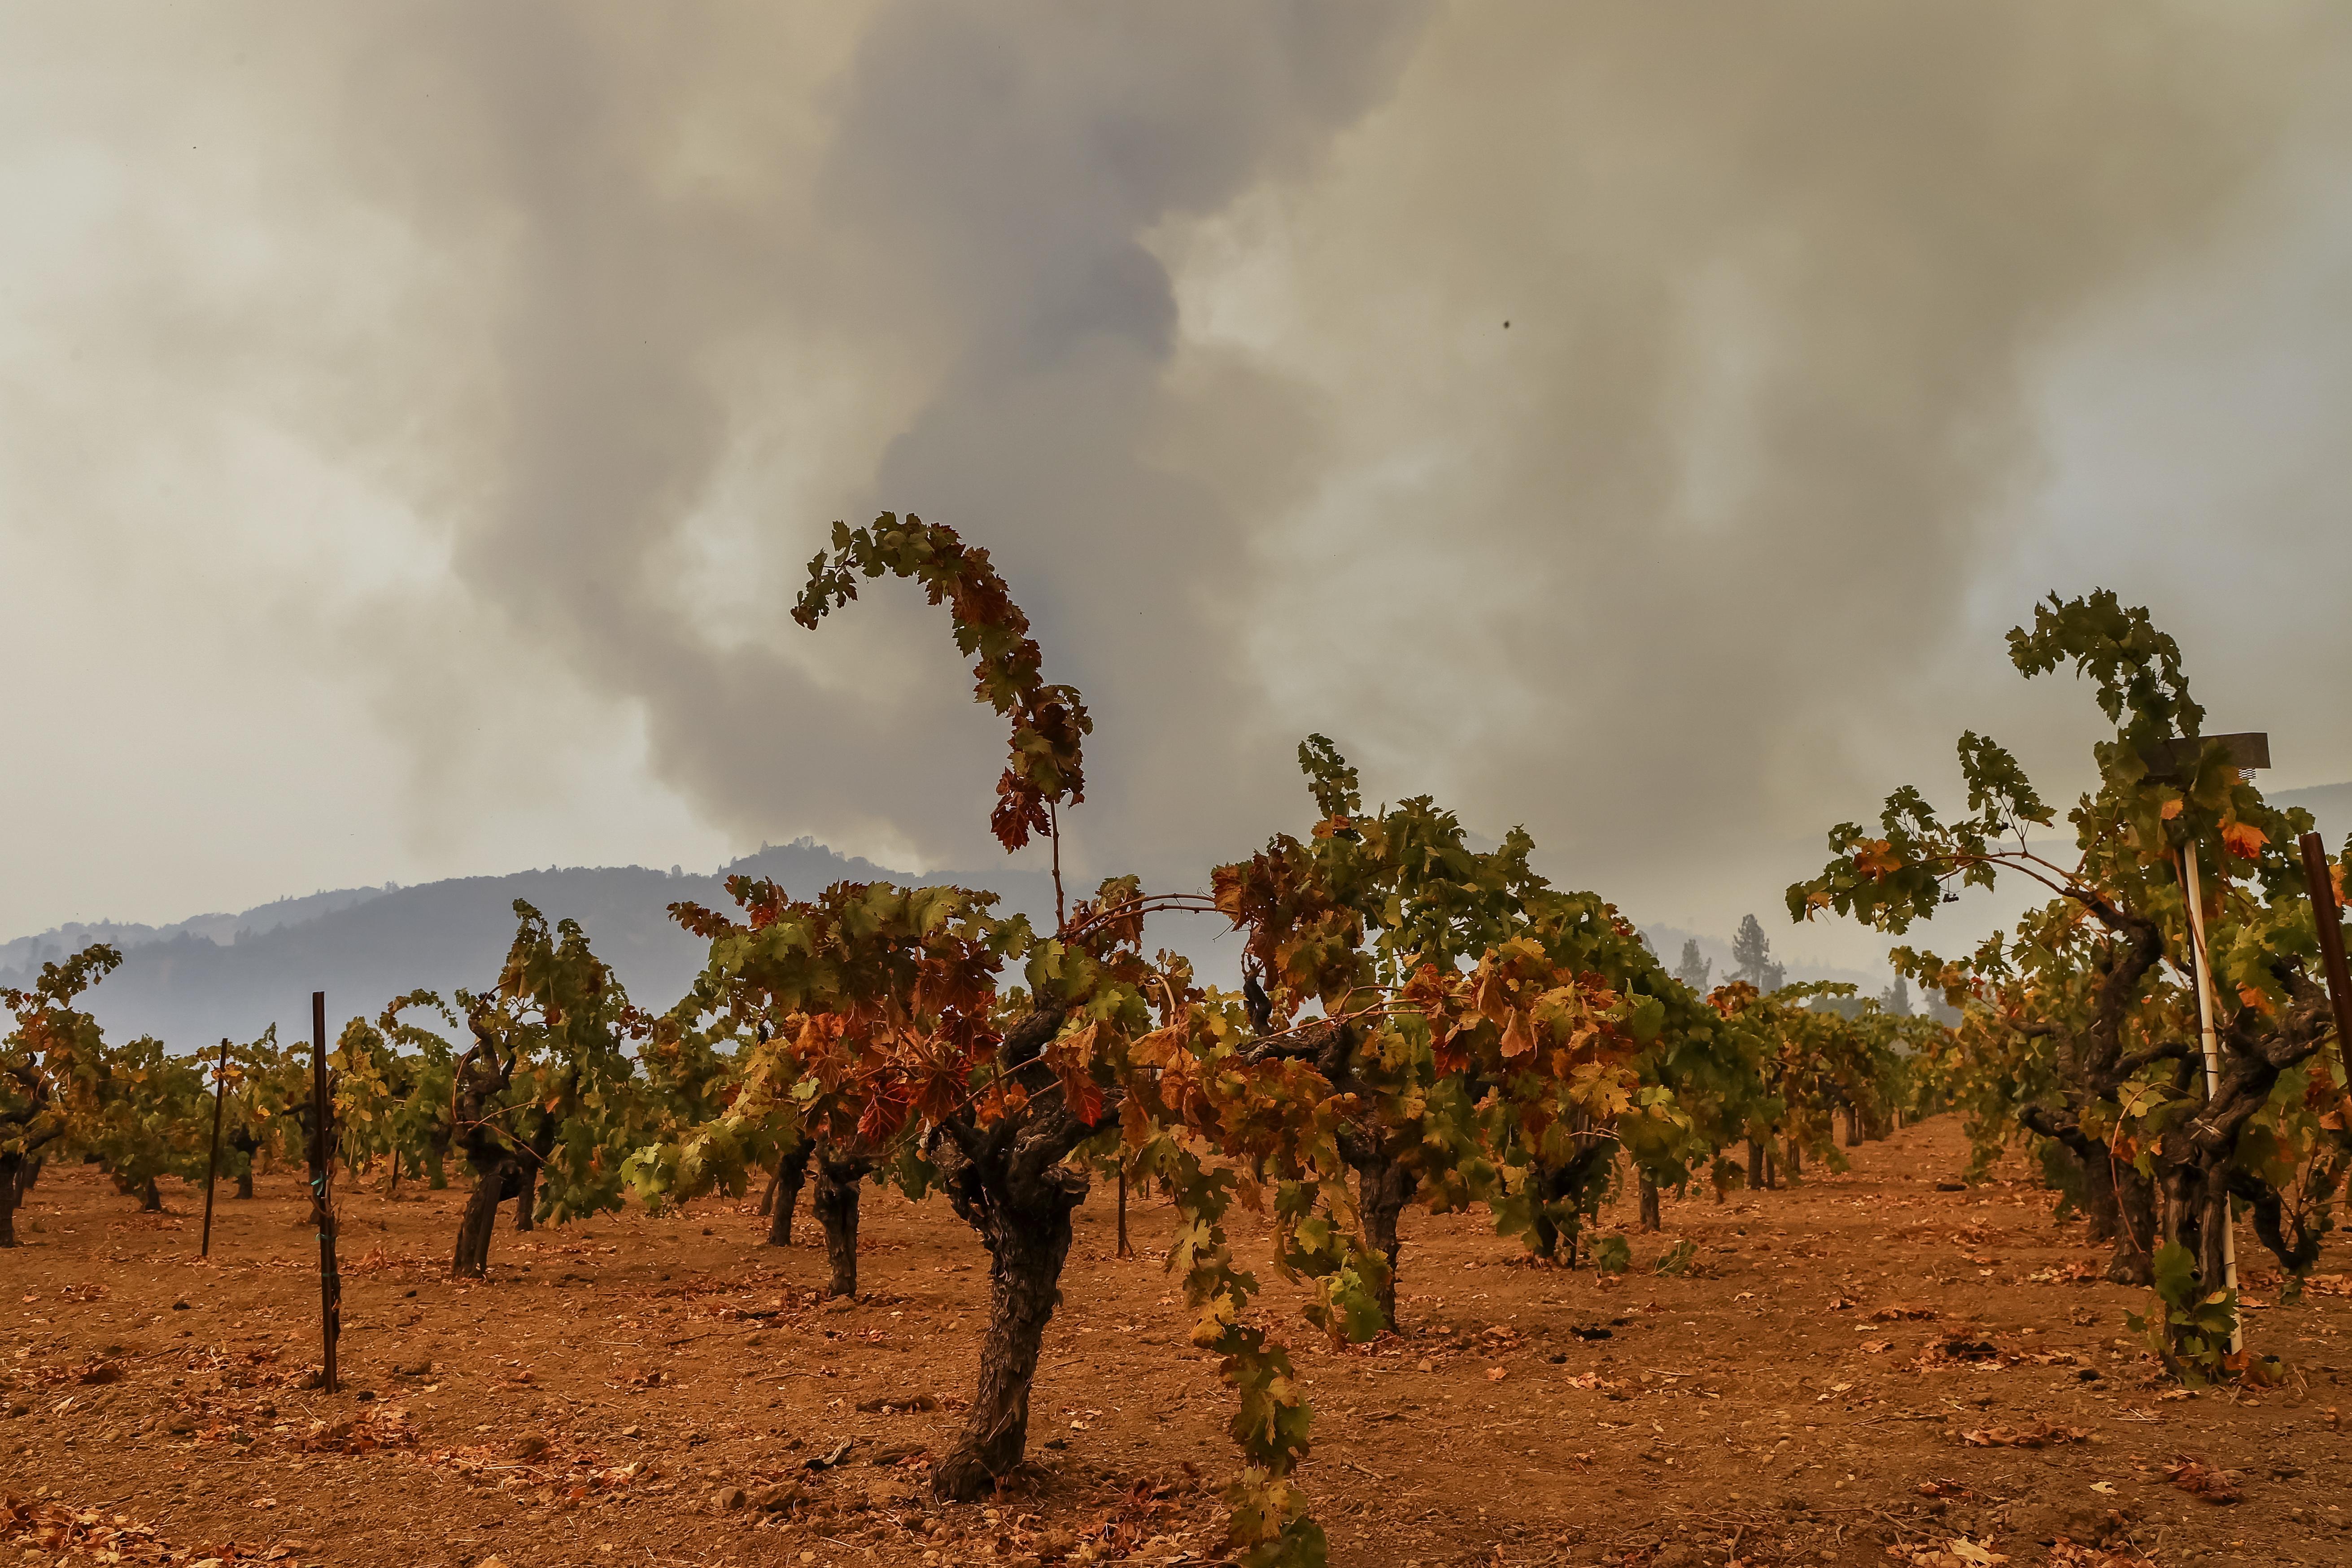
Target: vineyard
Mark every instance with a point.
(1464, 1230)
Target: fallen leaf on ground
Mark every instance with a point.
(1958, 1553)
(1961, 1348)
(839, 1453)
(900, 1403)
(2201, 1479)
(2065, 1554)
(2041, 1435)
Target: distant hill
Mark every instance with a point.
(28, 954)
(192, 982)
(2331, 803)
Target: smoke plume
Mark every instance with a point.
(1630, 420)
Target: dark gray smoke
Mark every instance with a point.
(978, 219)
(563, 330)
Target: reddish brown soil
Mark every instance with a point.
(653, 1390)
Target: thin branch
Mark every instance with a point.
(2174, 1050)
(1148, 904)
(1053, 836)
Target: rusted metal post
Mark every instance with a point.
(212, 1160)
(322, 1189)
(2329, 917)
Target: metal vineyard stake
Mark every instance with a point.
(211, 1161)
(322, 1190)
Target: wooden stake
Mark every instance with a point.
(2204, 963)
(2330, 920)
(322, 1189)
(212, 1160)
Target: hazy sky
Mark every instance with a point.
(414, 419)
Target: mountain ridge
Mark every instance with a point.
(192, 982)
(190, 989)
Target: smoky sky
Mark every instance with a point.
(414, 419)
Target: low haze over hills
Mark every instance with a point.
(2331, 803)
(191, 983)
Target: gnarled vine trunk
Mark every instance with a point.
(523, 1186)
(493, 1174)
(2120, 1202)
(1384, 1188)
(784, 1192)
(1011, 1183)
(1027, 1247)
(247, 1145)
(1575, 1181)
(1650, 1219)
(480, 1077)
(16, 1173)
(2096, 1182)
(834, 1201)
(527, 1169)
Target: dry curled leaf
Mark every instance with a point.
(1959, 1551)
(2041, 1435)
(45, 1529)
(2201, 1479)
(2065, 1554)
(1904, 1312)
(1960, 1347)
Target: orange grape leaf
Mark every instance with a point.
(1517, 1041)
(1875, 858)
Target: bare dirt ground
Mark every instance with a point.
(1848, 1382)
